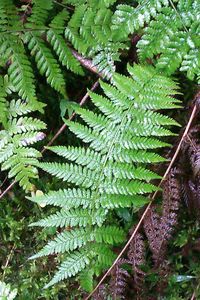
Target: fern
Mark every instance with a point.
(106, 173)
(42, 33)
(131, 19)
(34, 33)
(20, 131)
(6, 293)
(118, 284)
(89, 31)
(3, 102)
(136, 256)
(171, 38)
(159, 229)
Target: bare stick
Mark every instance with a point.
(7, 261)
(150, 203)
(8, 189)
(193, 296)
(85, 62)
(62, 128)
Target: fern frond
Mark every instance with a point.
(118, 282)
(170, 39)
(21, 131)
(75, 263)
(55, 38)
(3, 103)
(86, 280)
(8, 15)
(40, 13)
(130, 19)
(71, 240)
(173, 35)
(106, 173)
(136, 256)
(20, 70)
(74, 217)
(89, 30)
(46, 62)
(6, 292)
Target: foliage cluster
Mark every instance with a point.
(103, 171)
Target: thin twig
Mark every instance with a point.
(150, 203)
(62, 128)
(179, 15)
(193, 296)
(7, 262)
(8, 189)
(65, 6)
(87, 63)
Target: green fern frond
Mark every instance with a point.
(63, 52)
(6, 293)
(40, 13)
(170, 39)
(73, 264)
(130, 19)
(111, 172)
(71, 240)
(86, 280)
(46, 62)
(8, 15)
(191, 64)
(89, 31)
(20, 71)
(55, 38)
(3, 103)
(21, 131)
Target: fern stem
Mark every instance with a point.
(193, 114)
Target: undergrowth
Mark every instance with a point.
(118, 192)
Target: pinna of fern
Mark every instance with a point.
(20, 131)
(171, 37)
(42, 39)
(88, 29)
(110, 172)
